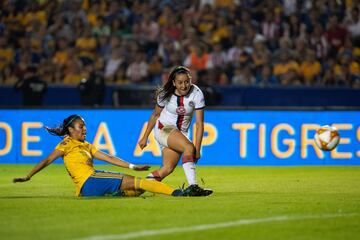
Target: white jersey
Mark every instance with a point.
(178, 110)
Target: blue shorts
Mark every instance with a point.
(103, 183)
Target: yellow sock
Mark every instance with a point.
(154, 186)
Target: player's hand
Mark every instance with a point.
(197, 156)
(142, 143)
(141, 168)
(23, 179)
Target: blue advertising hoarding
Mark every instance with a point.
(231, 137)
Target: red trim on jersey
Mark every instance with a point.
(180, 119)
(160, 125)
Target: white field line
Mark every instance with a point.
(147, 233)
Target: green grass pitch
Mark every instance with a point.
(248, 203)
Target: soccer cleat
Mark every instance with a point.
(195, 191)
(177, 193)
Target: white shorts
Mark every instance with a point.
(162, 133)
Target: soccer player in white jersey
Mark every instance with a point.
(177, 100)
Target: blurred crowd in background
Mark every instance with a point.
(223, 42)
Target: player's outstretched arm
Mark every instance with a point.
(118, 162)
(152, 121)
(41, 165)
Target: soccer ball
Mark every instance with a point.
(327, 138)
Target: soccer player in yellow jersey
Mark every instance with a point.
(78, 158)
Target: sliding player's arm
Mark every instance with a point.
(118, 161)
(41, 165)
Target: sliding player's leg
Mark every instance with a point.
(135, 183)
(105, 183)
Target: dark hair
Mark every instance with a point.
(168, 88)
(62, 129)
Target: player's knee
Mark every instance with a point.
(189, 148)
(128, 182)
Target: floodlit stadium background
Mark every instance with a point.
(271, 72)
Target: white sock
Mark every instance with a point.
(190, 172)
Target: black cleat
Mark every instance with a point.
(177, 193)
(195, 191)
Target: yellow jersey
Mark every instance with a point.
(282, 68)
(78, 160)
(309, 70)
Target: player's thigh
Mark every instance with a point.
(177, 141)
(170, 158)
(102, 183)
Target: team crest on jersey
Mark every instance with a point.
(180, 110)
(191, 104)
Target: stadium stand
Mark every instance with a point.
(242, 50)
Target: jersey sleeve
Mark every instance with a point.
(159, 102)
(199, 100)
(93, 149)
(63, 145)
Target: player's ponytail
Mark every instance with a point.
(168, 88)
(63, 129)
